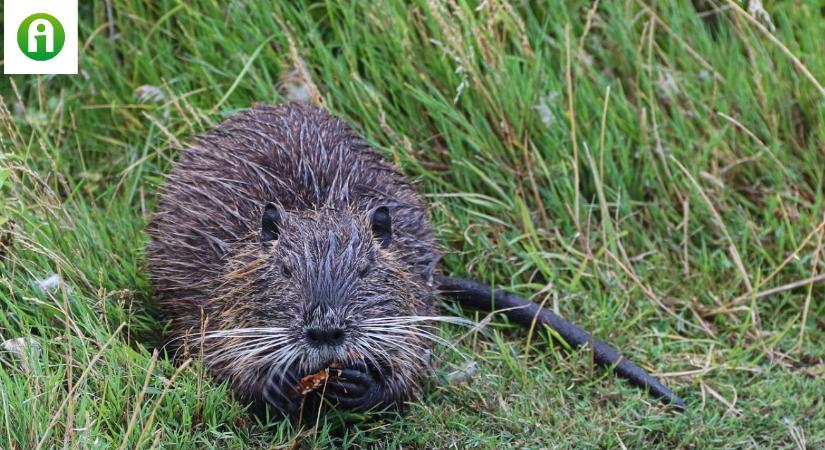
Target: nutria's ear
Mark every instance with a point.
(271, 222)
(382, 226)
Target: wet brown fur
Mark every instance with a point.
(210, 272)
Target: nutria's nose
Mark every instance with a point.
(325, 336)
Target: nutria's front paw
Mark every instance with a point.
(279, 393)
(355, 388)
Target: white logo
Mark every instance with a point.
(40, 37)
(47, 32)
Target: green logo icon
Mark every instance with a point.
(41, 37)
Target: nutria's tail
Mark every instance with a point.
(524, 312)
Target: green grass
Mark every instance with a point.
(653, 197)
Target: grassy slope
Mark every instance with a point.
(707, 148)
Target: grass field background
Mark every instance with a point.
(653, 173)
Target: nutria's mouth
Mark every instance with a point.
(329, 364)
(338, 361)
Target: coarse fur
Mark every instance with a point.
(246, 303)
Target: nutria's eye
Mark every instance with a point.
(286, 270)
(381, 224)
(271, 219)
(364, 270)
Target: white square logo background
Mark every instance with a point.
(15, 61)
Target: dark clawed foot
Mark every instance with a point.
(279, 394)
(355, 388)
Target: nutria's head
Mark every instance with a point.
(321, 287)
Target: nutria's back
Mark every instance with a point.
(288, 243)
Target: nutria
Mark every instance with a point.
(283, 244)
